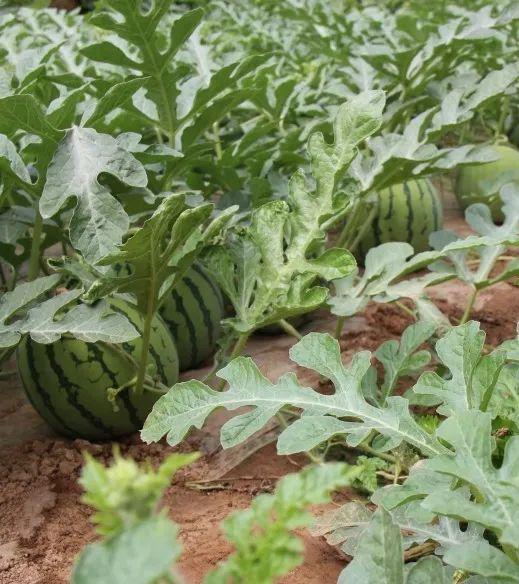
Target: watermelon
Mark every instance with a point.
(193, 313)
(481, 183)
(67, 381)
(407, 212)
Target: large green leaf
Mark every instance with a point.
(161, 251)
(265, 547)
(385, 280)
(483, 559)
(141, 554)
(88, 323)
(379, 556)
(99, 220)
(473, 377)
(12, 302)
(188, 404)
(280, 246)
(11, 162)
(497, 501)
(345, 525)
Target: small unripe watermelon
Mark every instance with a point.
(67, 381)
(193, 312)
(407, 212)
(481, 183)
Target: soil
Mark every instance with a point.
(44, 524)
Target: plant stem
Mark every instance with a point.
(366, 225)
(217, 143)
(469, 307)
(339, 327)
(382, 455)
(146, 338)
(349, 225)
(406, 310)
(289, 329)
(241, 341)
(34, 259)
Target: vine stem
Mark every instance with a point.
(470, 306)
(339, 327)
(217, 143)
(349, 225)
(34, 258)
(382, 455)
(352, 247)
(236, 352)
(404, 308)
(289, 329)
(146, 338)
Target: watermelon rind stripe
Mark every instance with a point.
(71, 390)
(179, 306)
(211, 283)
(410, 212)
(44, 395)
(206, 315)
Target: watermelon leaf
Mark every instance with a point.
(483, 559)
(190, 403)
(277, 255)
(11, 162)
(403, 358)
(141, 543)
(470, 434)
(21, 297)
(182, 111)
(140, 554)
(99, 220)
(379, 555)
(383, 281)
(265, 547)
(466, 487)
(45, 325)
(456, 261)
(473, 375)
(344, 526)
(388, 265)
(161, 251)
(158, 255)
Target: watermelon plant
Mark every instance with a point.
(472, 260)
(436, 499)
(140, 542)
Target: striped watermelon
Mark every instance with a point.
(407, 212)
(193, 314)
(66, 381)
(481, 183)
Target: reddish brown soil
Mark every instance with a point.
(44, 524)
